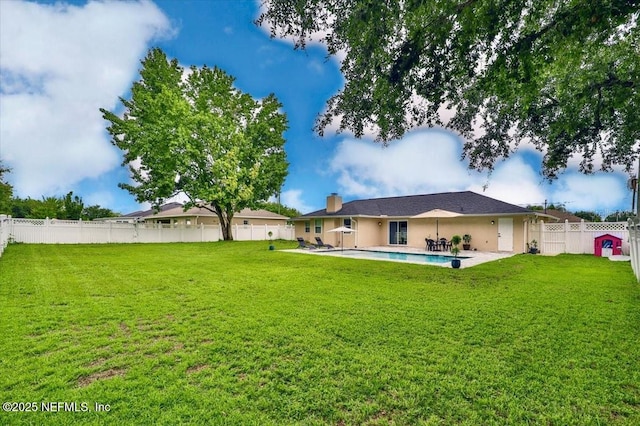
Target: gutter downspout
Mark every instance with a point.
(355, 239)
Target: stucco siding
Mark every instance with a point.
(484, 233)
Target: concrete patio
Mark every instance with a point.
(469, 258)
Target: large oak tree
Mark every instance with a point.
(196, 134)
(561, 74)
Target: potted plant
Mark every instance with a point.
(455, 240)
(533, 247)
(466, 242)
(270, 234)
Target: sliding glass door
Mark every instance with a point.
(398, 232)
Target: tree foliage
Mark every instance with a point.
(69, 207)
(619, 216)
(588, 216)
(539, 207)
(278, 208)
(6, 191)
(561, 74)
(194, 133)
(97, 212)
(72, 207)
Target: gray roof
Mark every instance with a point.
(199, 211)
(561, 216)
(151, 212)
(466, 202)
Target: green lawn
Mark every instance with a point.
(232, 333)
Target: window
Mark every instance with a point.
(307, 226)
(347, 223)
(318, 224)
(245, 222)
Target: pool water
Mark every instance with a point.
(387, 255)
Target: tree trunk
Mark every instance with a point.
(225, 222)
(226, 229)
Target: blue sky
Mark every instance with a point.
(61, 61)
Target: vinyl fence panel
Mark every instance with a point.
(53, 231)
(5, 232)
(634, 244)
(578, 237)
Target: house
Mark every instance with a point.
(177, 216)
(137, 216)
(406, 221)
(560, 216)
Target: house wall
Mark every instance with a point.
(333, 238)
(484, 235)
(370, 233)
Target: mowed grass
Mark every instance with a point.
(231, 333)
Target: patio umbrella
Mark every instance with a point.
(342, 230)
(437, 214)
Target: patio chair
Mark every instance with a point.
(319, 243)
(431, 244)
(446, 245)
(303, 244)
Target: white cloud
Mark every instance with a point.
(293, 198)
(422, 162)
(429, 162)
(60, 64)
(600, 193)
(513, 181)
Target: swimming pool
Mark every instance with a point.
(388, 255)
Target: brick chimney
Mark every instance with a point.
(334, 203)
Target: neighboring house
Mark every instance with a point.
(138, 216)
(196, 216)
(559, 216)
(174, 214)
(493, 225)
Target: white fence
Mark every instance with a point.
(5, 232)
(575, 237)
(52, 231)
(634, 244)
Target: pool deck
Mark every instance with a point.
(473, 258)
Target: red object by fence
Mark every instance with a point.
(607, 241)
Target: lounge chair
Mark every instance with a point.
(321, 244)
(303, 244)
